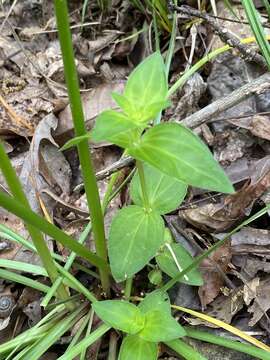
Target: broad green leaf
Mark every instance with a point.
(151, 110)
(156, 300)
(134, 239)
(116, 128)
(121, 315)
(147, 84)
(75, 141)
(160, 326)
(165, 193)
(135, 348)
(123, 103)
(140, 114)
(176, 151)
(167, 263)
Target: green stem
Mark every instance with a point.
(185, 350)
(90, 183)
(139, 166)
(37, 237)
(222, 341)
(199, 258)
(87, 341)
(87, 333)
(38, 222)
(128, 288)
(112, 346)
(67, 266)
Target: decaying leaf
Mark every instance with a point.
(94, 102)
(223, 308)
(262, 297)
(231, 210)
(213, 279)
(44, 166)
(258, 125)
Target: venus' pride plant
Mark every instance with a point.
(169, 158)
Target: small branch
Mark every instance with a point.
(206, 114)
(247, 52)
(118, 165)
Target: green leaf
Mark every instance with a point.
(75, 141)
(160, 326)
(121, 315)
(151, 110)
(257, 28)
(123, 103)
(135, 348)
(147, 84)
(155, 277)
(176, 151)
(116, 128)
(167, 263)
(165, 193)
(134, 239)
(156, 300)
(140, 114)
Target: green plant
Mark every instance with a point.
(168, 157)
(257, 28)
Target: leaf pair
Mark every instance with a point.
(145, 93)
(136, 234)
(146, 325)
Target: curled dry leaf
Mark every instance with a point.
(212, 269)
(252, 265)
(45, 166)
(258, 125)
(232, 209)
(223, 308)
(94, 102)
(262, 297)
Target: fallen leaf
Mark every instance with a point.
(94, 102)
(262, 297)
(231, 209)
(213, 279)
(51, 171)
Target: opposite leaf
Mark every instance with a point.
(160, 326)
(176, 151)
(156, 300)
(134, 239)
(165, 193)
(137, 113)
(175, 259)
(135, 348)
(121, 315)
(147, 84)
(116, 128)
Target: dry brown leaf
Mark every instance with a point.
(94, 102)
(224, 215)
(262, 297)
(213, 279)
(52, 171)
(223, 308)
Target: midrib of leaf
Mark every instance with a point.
(170, 155)
(131, 244)
(152, 199)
